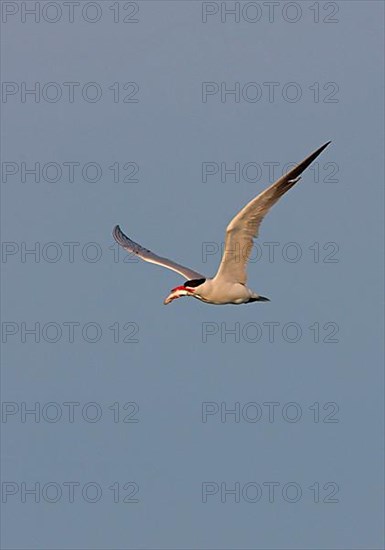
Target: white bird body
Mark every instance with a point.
(229, 284)
(213, 293)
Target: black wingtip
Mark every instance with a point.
(117, 234)
(322, 147)
(297, 171)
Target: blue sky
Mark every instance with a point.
(149, 385)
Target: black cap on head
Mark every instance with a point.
(194, 282)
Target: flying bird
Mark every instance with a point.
(229, 284)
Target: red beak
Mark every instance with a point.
(182, 288)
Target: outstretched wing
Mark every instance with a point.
(149, 256)
(244, 227)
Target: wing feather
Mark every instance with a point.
(149, 256)
(244, 227)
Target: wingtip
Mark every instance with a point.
(116, 232)
(313, 156)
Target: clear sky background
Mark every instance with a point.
(323, 370)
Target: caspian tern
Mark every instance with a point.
(229, 284)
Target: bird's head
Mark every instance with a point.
(188, 289)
